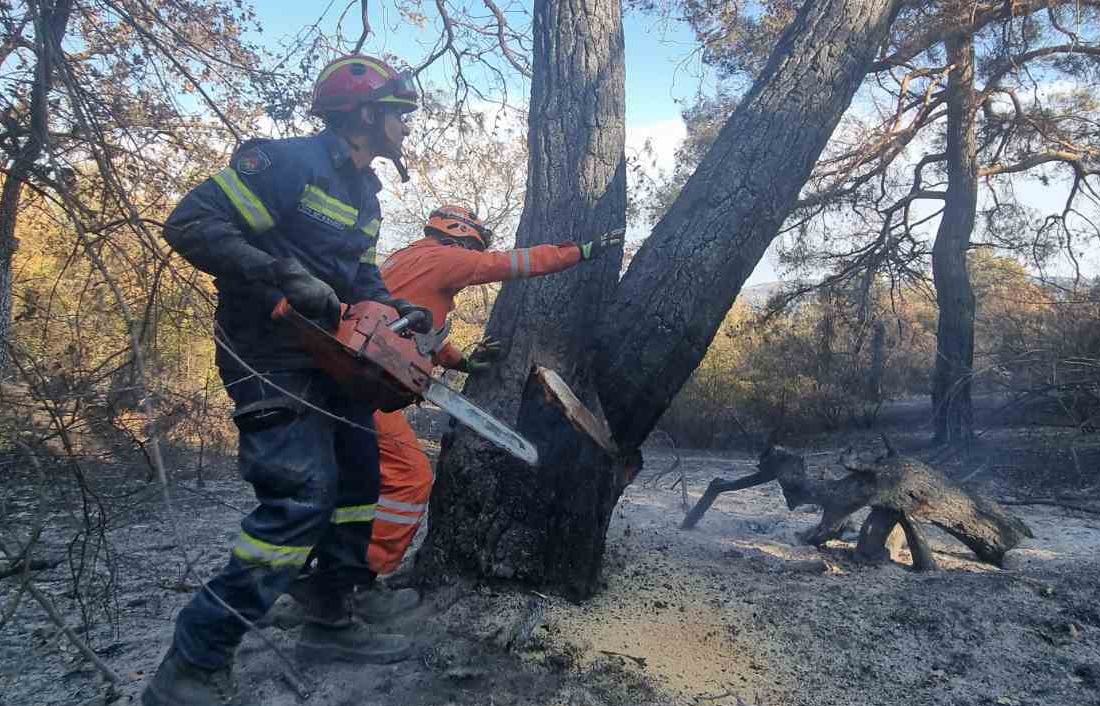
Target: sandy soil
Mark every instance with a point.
(733, 612)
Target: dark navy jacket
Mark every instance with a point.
(298, 198)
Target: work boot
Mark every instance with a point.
(180, 683)
(378, 604)
(286, 614)
(351, 642)
(330, 634)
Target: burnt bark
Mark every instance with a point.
(898, 489)
(685, 277)
(952, 413)
(719, 486)
(50, 25)
(640, 348)
(546, 526)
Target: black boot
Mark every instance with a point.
(378, 604)
(330, 634)
(351, 642)
(180, 683)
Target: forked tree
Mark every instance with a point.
(625, 348)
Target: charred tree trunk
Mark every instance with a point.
(53, 18)
(685, 277)
(546, 526)
(953, 416)
(672, 300)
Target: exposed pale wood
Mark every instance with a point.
(582, 419)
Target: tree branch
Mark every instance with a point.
(1032, 162)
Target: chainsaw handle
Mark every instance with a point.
(408, 320)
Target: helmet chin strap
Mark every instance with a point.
(399, 164)
(377, 135)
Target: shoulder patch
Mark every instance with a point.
(252, 160)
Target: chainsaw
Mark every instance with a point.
(376, 356)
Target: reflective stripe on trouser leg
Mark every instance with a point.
(341, 554)
(292, 467)
(405, 488)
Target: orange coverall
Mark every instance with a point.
(431, 274)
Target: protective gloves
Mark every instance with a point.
(420, 318)
(482, 357)
(594, 248)
(310, 296)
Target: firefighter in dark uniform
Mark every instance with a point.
(295, 218)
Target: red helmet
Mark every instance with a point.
(351, 81)
(458, 222)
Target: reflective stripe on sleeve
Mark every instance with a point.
(249, 205)
(256, 551)
(371, 228)
(353, 513)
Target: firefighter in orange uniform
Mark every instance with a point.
(430, 273)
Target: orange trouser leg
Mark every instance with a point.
(403, 497)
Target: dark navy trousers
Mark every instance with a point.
(316, 480)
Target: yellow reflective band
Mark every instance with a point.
(369, 256)
(399, 101)
(371, 228)
(353, 513)
(257, 551)
(317, 201)
(247, 203)
(337, 65)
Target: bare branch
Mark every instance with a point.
(501, 23)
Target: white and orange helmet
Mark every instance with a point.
(459, 223)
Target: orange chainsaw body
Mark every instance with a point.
(369, 359)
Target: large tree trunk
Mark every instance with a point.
(490, 516)
(952, 413)
(669, 306)
(54, 18)
(686, 276)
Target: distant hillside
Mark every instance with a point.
(757, 295)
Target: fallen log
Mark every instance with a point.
(901, 490)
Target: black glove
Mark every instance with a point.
(310, 296)
(420, 318)
(482, 357)
(594, 248)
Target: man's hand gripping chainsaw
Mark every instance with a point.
(375, 355)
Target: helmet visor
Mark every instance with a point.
(399, 90)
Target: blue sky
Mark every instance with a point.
(660, 66)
